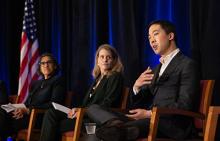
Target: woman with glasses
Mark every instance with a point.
(42, 92)
(106, 91)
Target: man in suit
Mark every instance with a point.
(174, 83)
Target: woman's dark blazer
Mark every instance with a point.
(45, 91)
(108, 93)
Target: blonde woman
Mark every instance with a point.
(105, 91)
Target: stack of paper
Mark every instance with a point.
(11, 107)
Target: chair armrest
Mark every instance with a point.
(157, 112)
(78, 123)
(211, 123)
(169, 111)
(32, 120)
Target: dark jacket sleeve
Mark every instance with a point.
(113, 92)
(144, 98)
(141, 100)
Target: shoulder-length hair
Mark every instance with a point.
(117, 66)
(57, 67)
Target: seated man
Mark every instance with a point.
(174, 83)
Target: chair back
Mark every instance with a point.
(206, 89)
(124, 98)
(68, 99)
(32, 134)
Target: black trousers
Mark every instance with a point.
(101, 116)
(55, 123)
(9, 125)
(178, 128)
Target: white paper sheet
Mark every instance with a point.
(61, 108)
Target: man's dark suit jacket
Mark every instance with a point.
(177, 87)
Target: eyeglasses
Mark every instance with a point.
(44, 63)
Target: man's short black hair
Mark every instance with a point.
(167, 26)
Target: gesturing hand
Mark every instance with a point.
(144, 79)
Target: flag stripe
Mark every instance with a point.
(29, 52)
(24, 55)
(23, 39)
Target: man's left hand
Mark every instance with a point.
(139, 114)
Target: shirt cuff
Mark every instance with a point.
(135, 91)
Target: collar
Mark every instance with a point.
(165, 59)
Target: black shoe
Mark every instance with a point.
(131, 133)
(117, 133)
(114, 122)
(112, 133)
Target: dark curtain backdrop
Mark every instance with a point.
(205, 43)
(73, 29)
(205, 40)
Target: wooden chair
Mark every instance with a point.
(74, 135)
(25, 134)
(200, 117)
(211, 124)
(32, 134)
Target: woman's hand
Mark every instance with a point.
(72, 113)
(19, 113)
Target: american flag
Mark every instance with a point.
(29, 54)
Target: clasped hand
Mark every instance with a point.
(19, 112)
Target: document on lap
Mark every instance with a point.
(61, 107)
(11, 107)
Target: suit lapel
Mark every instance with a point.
(170, 68)
(156, 73)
